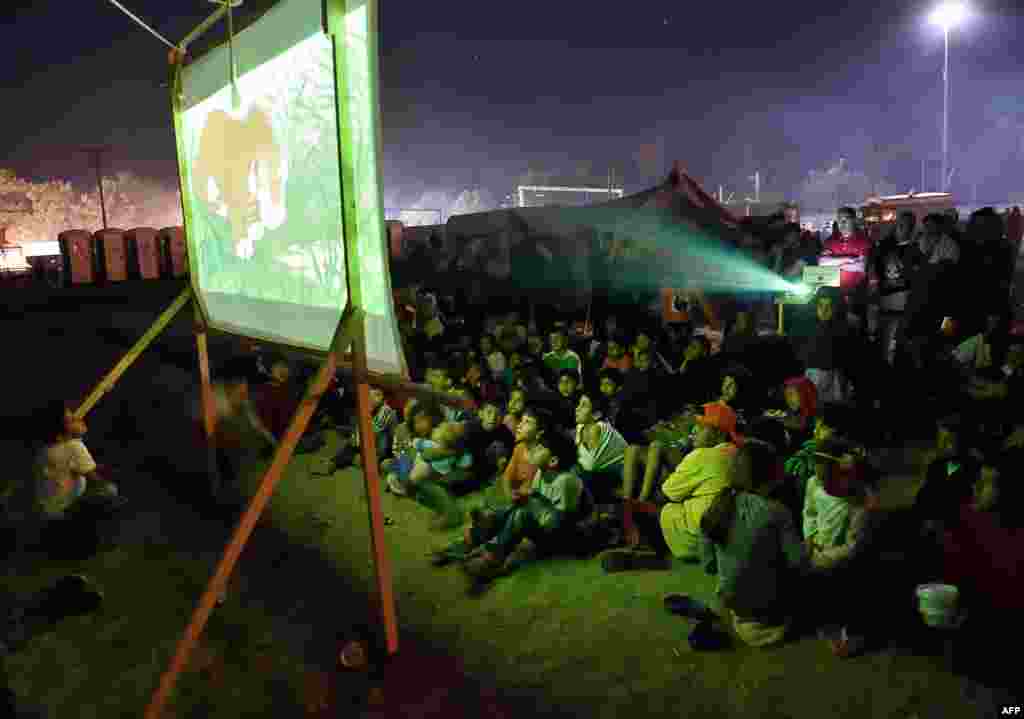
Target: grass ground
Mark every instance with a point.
(555, 639)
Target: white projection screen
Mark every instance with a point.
(261, 170)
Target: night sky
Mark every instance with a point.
(475, 93)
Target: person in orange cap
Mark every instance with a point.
(686, 495)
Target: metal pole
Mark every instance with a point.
(945, 113)
(99, 183)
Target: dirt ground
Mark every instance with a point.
(558, 638)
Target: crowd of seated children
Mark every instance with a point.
(836, 501)
(601, 451)
(547, 511)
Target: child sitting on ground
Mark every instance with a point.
(547, 512)
(561, 357)
(520, 471)
(610, 383)
(839, 524)
(696, 380)
(493, 356)
(65, 470)
(384, 420)
(949, 481)
(69, 485)
(479, 383)
(600, 453)
(564, 405)
(276, 401)
(238, 429)
(490, 442)
(801, 397)
(440, 462)
(514, 409)
(396, 469)
(617, 357)
(752, 543)
(984, 559)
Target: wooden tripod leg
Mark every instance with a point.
(199, 328)
(283, 454)
(371, 477)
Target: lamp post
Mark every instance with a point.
(946, 16)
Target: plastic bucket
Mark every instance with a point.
(937, 598)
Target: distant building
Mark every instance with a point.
(567, 193)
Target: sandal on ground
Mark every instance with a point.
(626, 560)
(686, 606)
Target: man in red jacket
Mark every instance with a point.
(848, 249)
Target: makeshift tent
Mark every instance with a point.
(616, 246)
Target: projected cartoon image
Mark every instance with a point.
(263, 158)
(239, 172)
(265, 183)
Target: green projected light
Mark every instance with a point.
(677, 252)
(263, 173)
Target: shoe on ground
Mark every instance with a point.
(626, 560)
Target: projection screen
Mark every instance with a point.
(262, 172)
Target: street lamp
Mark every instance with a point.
(946, 16)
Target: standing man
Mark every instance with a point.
(891, 266)
(848, 249)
